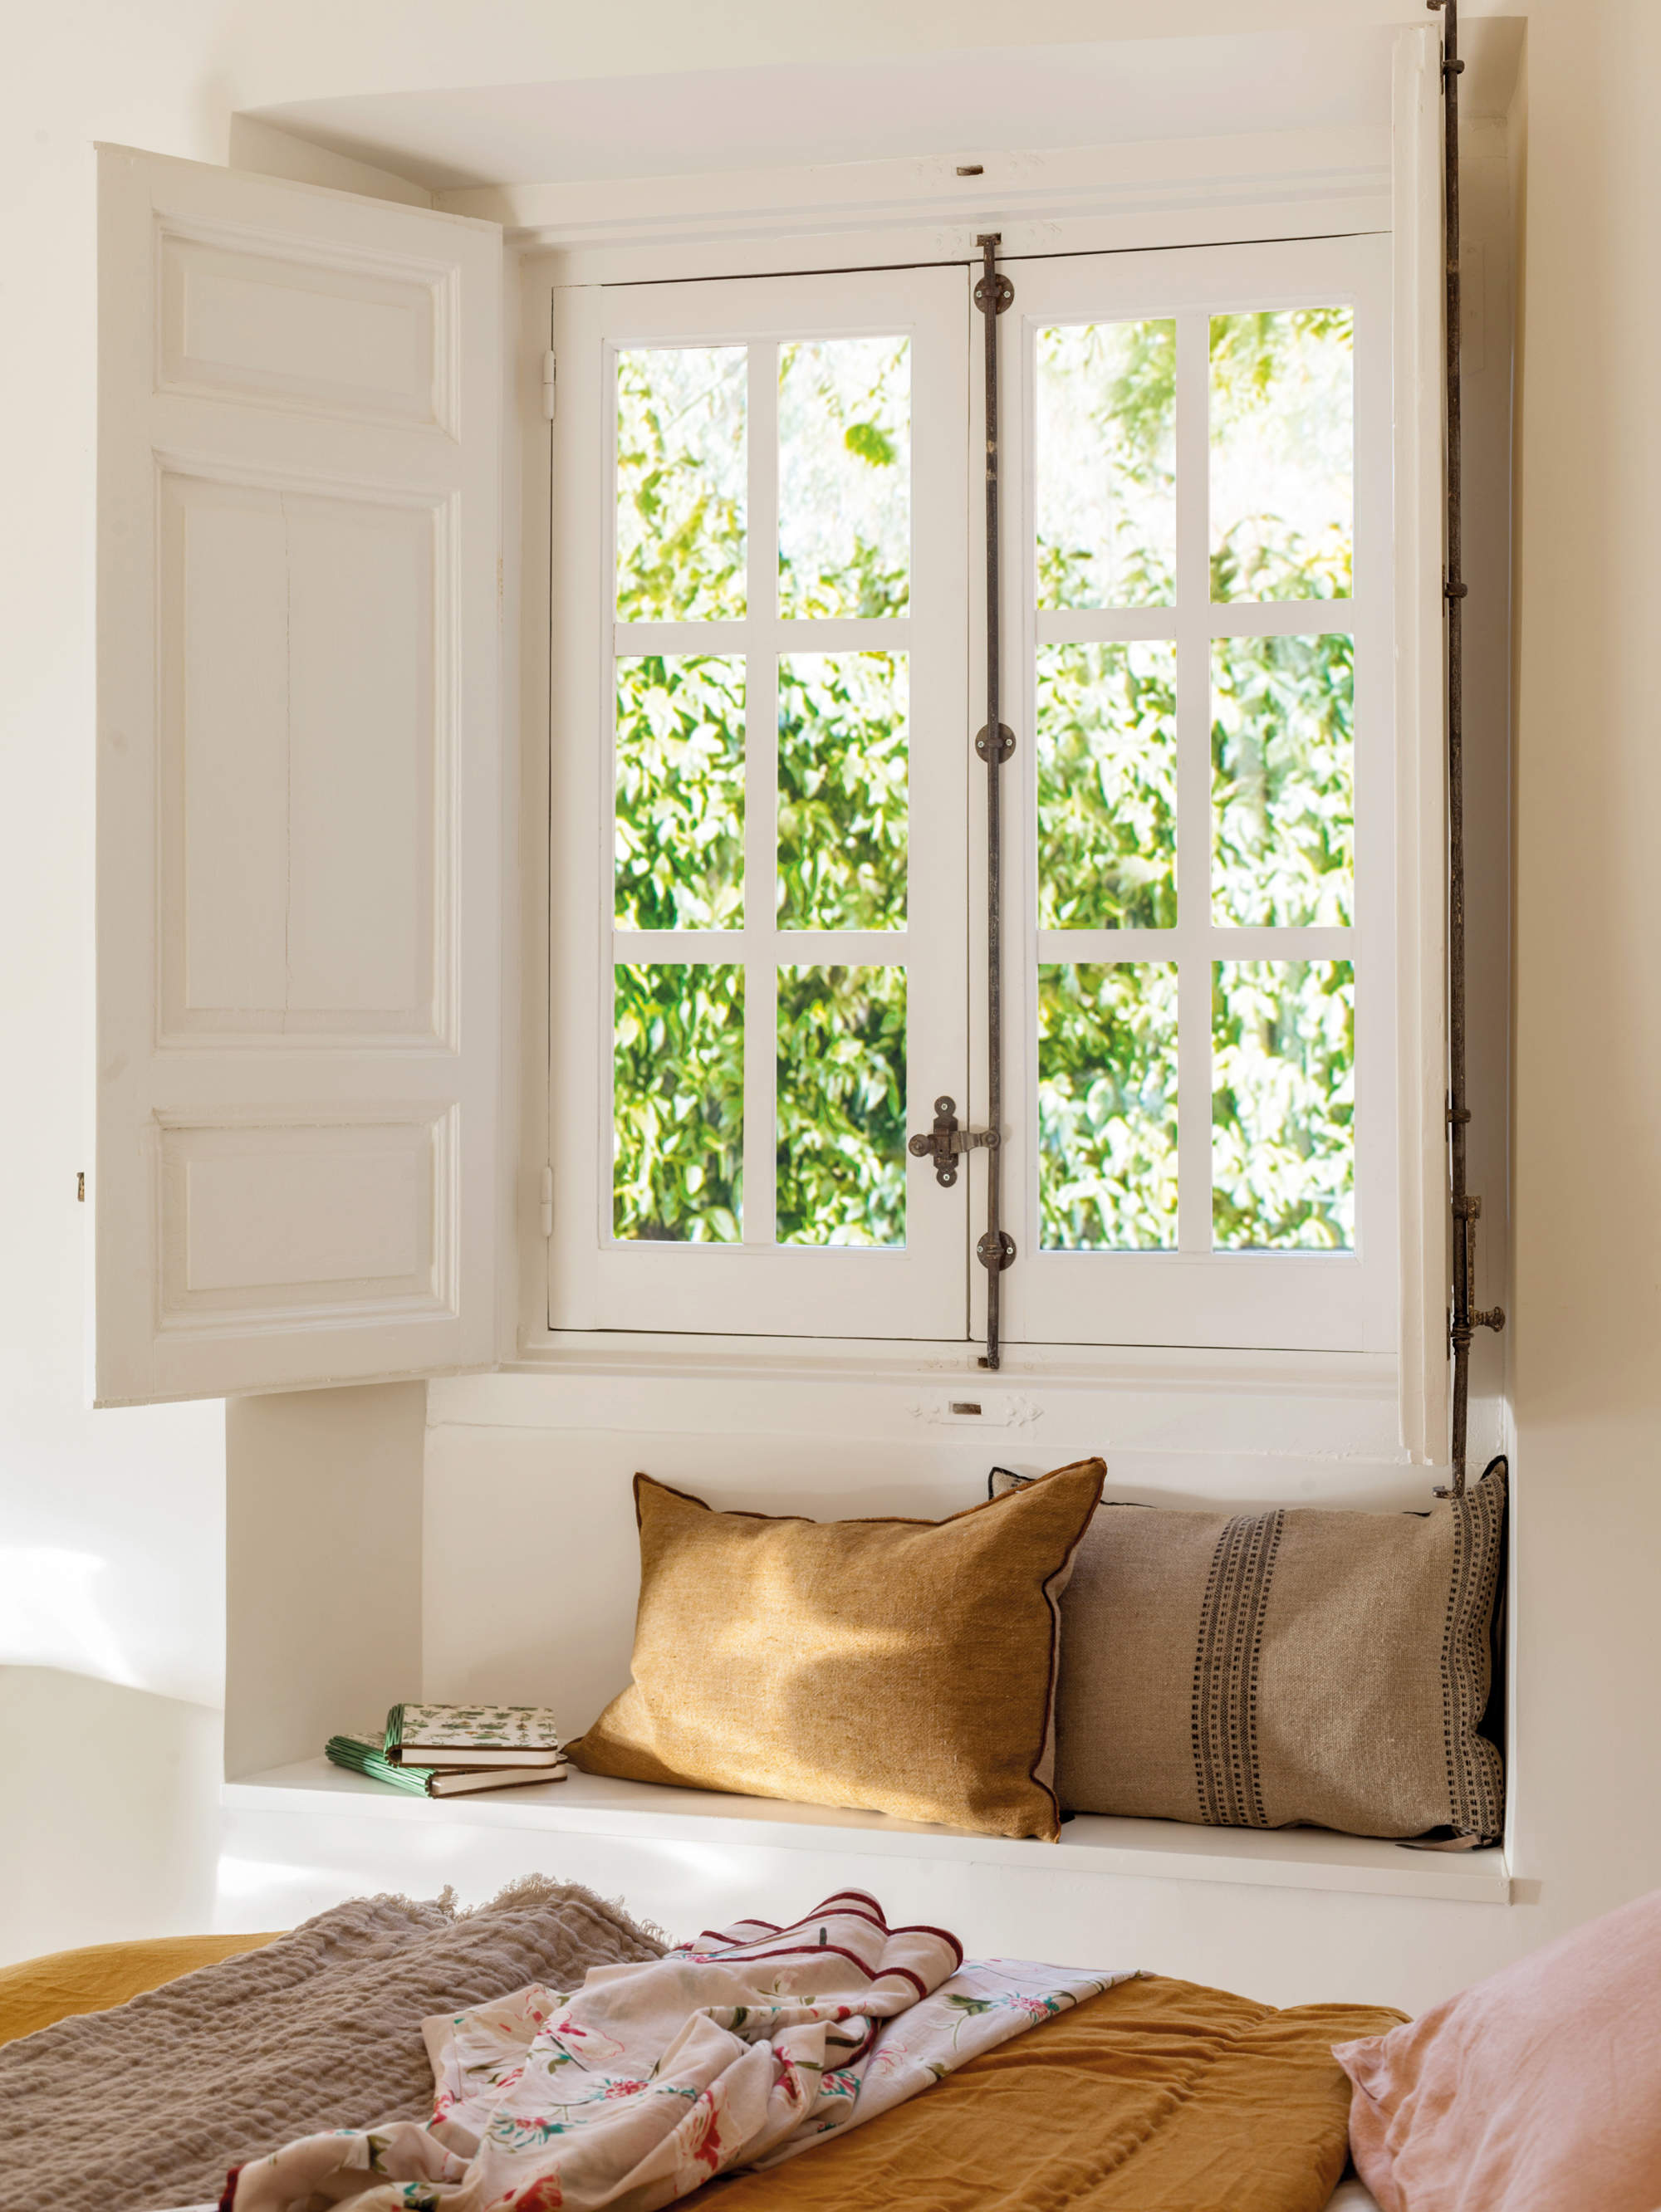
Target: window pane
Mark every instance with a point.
(843, 804)
(1107, 465)
(1107, 785)
(1282, 455)
(679, 819)
(842, 1106)
(1283, 779)
(1107, 1106)
(845, 477)
(678, 1103)
(1283, 1105)
(681, 484)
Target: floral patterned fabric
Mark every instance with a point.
(740, 2050)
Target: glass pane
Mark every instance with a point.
(681, 484)
(842, 1106)
(679, 819)
(678, 1103)
(1282, 455)
(1283, 779)
(843, 803)
(1107, 1106)
(1107, 465)
(1107, 786)
(845, 477)
(1283, 1105)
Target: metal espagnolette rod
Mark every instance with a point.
(1466, 1317)
(994, 742)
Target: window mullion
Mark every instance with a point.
(761, 804)
(1192, 933)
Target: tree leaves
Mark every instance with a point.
(840, 1114)
(871, 443)
(678, 1103)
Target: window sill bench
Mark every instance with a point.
(1166, 1850)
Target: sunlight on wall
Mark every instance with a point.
(50, 1616)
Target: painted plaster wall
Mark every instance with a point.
(1585, 1375)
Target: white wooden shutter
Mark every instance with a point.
(1422, 770)
(299, 777)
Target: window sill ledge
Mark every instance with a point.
(1282, 1858)
(1366, 1375)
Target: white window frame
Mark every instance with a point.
(1301, 184)
(758, 1287)
(1305, 1301)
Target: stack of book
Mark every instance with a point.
(449, 1750)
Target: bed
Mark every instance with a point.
(1158, 2096)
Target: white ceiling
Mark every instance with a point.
(962, 103)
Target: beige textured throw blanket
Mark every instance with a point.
(737, 2050)
(151, 2103)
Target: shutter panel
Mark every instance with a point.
(299, 785)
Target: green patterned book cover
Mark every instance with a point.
(472, 1735)
(363, 1754)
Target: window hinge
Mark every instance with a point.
(548, 1200)
(550, 384)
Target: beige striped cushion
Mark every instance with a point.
(1256, 1670)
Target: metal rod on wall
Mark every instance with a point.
(1466, 1317)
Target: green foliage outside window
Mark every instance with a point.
(1283, 1105)
(682, 493)
(677, 1104)
(680, 749)
(1282, 780)
(842, 1106)
(844, 813)
(1282, 835)
(844, 478)
(678, 824)
(1107, 1105)
(1107, 785)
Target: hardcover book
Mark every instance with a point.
(472, 1735)
(362, 1754)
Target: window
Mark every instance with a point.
(766, 901)
(762, 667)
(1203, 1150)
(769, 964)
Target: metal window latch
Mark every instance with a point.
(943, 1143)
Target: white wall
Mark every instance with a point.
(1588, 1163)
(110, 1524)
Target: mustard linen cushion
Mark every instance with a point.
(896, 1666)
(38, 1991)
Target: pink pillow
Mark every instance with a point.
(1538, 2090)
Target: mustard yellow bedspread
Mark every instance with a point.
(38, 1991)
(1159, 2096)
